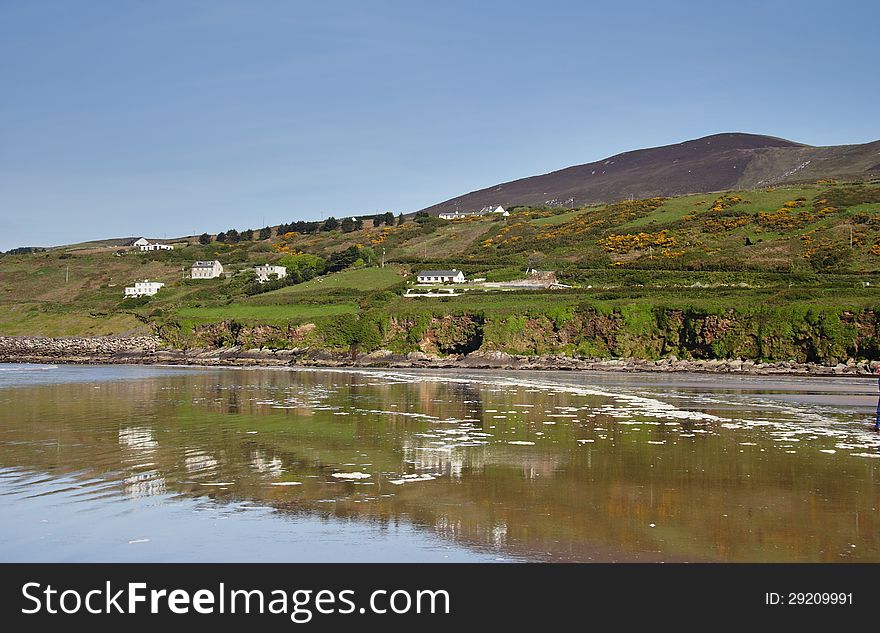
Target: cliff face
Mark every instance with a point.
(787, 339)
(798, 334)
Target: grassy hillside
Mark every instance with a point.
(773, 272)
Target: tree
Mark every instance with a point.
(330, 224)
(400, 219)
(232, 236)
(204, 238)
(265, 233)
(388, 218)
(221, 237)
(343, 259)
(368, 255)
(248, 235)
(303, 266)
(347, 225)
(358, 224)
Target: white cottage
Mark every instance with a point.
(141, 241)
(265, 272)
(155, 247)
(455, 215)
(206, 270)
(143, 288)
(440, 276)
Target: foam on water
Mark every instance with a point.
(791, 421)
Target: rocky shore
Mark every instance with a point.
(150, 350)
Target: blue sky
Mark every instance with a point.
(166, 118)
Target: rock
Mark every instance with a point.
(491, 355)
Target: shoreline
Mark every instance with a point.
(148, 350)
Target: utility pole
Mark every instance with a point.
(383, 257)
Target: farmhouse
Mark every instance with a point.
(265, 272)
(455, 215)
(141, 241)
(156, 247)
(206, 270)
(143, 288)
(441, 276)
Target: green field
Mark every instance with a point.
(358, 279)
(559, 218)
(268, 314)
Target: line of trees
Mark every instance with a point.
(232, 236)
(346, 225)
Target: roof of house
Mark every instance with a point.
(201, 264)
(439, 273)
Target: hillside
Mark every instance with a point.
(786, 272)
(713, 163)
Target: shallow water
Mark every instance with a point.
(150, 463)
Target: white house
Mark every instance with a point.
(265, 271)
(441, 276)
(206, 270)
(155, 247)
(141, 241)
(455, 215)
(143, 288)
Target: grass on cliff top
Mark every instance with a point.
(713, 300)
(265, 313)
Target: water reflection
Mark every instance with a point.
(548, 467)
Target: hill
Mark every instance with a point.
(713, 163)
(781, 272)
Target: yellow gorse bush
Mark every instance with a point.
(636, 241)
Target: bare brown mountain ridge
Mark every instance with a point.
(713, 163)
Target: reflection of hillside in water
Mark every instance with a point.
(576, 484)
